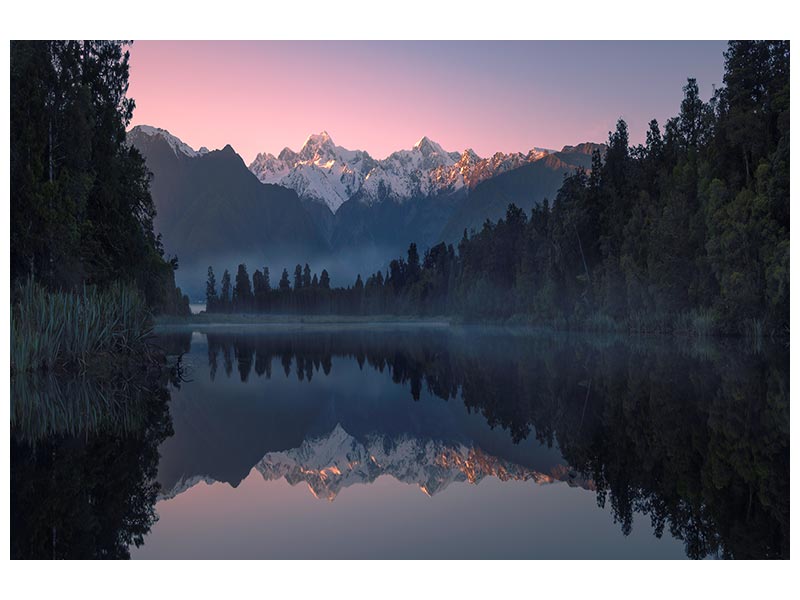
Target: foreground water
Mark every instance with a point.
(410, 441)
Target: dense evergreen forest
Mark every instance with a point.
(81, 211)
(688, 232)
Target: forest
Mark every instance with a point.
(81, 213)
(686, 233)
(87, 269)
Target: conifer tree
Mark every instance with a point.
(225, 293)
(283, 284)
(324, 280)
(298, 277)
(211, 291)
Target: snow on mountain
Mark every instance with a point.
(324, 172)
(321, 171)
(584, 148)
(411, 173)
(183, 484)
(178, 146)
(331, 463)
(268, 168)
(470, 169)
(331, 174)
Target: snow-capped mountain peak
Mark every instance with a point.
(178, 146)
(268, 168)
(317, 147)
(428, 146)
(469, 155)
(321, 171)
(324, 172)
(318, 139)
(329, 174)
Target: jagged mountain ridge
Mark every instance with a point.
(330, 174)
(139, 134)
(423, 195)
(321, 171)
(329, 463)
(210, 206)
(526, 186)
(329, 205)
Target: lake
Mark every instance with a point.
(411, 441)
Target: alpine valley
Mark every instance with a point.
(339, 209)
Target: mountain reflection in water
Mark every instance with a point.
(686, 440)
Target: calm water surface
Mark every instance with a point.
(289, 441)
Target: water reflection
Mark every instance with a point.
(693, 437)
(688, 441)
(84, 458)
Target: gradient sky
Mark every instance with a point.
(384, 96)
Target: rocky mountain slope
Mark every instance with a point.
(212, 210)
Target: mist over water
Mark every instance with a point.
(343, 267)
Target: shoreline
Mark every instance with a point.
(239, 319)
(203, 322)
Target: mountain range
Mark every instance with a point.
(332, 175)
(336, 460)
(336, 208)
(211, 210)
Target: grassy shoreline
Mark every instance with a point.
(86, 331)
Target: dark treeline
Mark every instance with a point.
(303, 293)
(81, 210)
(688, 232)
(704, 456)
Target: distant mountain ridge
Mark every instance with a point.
(330, 206)
(526, 186)
(211, 208)
(334, 461)
(179, 147)
(331, 174)
(321, 170)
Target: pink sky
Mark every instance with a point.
(384, 96)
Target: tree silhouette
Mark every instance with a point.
(211, 291)
(81, 211)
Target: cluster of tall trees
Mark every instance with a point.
(688, 231)
(303, 293)
(81, 209)
(307, 293)
(693, 222)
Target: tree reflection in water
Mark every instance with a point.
(694, 435)
(84, 458)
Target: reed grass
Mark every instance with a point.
(50, 404)
(71, 331)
